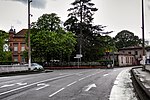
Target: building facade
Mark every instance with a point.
(135, 51)
(126, 60)
(17, 44)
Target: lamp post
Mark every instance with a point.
(143, 38)
(29, 45)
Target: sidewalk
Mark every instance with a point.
(141, 79)
(123, 88)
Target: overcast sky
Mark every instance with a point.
(117, 15)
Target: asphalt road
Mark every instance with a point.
(77, 84)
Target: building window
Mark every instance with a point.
(127, 59)
(136, 52)
(22, 47)
(122, 60)
(131, 60)
(129, 52)
(15, 47)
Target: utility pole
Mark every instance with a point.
(80, 35)
(143, 38)
(29, 45)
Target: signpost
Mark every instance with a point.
(78, 56)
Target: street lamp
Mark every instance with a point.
(29, 45)
(143, 39)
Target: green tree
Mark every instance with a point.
(126, 38)
(80, 22)
(50, 22)
(48, 45)
(4, 55)
(49, 40)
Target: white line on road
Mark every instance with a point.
(4, 77)
(81, 78)
(8, 82)
(89, 86)
(16, 89)
(51, 79)
(63, 74)
(105, 74)
(88, 76)
(72, 83)
(56, 92)
(21, 83)
(8, 85)
(43, 86)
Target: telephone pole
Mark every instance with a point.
(29, 45)
(143, 38)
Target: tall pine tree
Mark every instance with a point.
(80, 22)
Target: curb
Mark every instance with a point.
(142, 92)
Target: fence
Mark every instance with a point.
(58, 64)
(12, 68)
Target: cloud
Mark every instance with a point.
(35, 3)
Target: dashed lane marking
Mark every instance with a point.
(105, 74)
(56, 92)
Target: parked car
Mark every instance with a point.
(35, 67)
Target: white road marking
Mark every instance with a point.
(81, 78)
(84, 77)
(105, 74)
(25, 86)
(72, 83)
(21, 83)
(7, 82)
(90, 86)
(88, 76)
(43, 86)
(6, 92)
(4, 77)
(56, 92)
(8, 85)
(63, 74)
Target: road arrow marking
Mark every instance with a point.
(90, 86)
(8, 85)
(43, 85)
